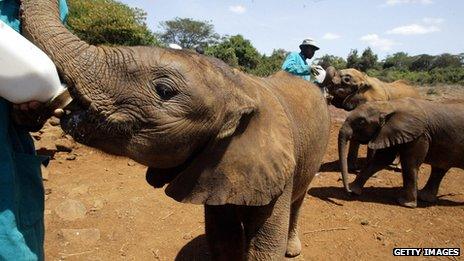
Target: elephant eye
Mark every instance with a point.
(164, 89)
(346, 79)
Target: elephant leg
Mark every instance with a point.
(380, 160)
(370, 155)
(267, 227)
(294, 243)
(353, 155)
(429, 192)
(412, 155)
(224, 233)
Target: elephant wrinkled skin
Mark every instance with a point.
(245, 147)
(350, 88)
(419, 131)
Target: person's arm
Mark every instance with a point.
(32, 115)
(294, 65)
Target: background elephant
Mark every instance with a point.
(349, 88)
(245, 147)
(420, 131)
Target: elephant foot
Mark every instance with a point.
(355, 189)
(293, 247)
(427, 196)
(407, 203)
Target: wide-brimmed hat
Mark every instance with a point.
(309, 42)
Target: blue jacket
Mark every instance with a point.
(21, 188)
(296, 64)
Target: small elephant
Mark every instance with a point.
(244, 147)
(350, 88)
(419, 131)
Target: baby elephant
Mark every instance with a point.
(419, 131)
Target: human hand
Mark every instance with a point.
(315, 70)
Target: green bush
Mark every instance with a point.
(450, 75)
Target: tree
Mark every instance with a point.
(270, 64)
(353, 60)
(237, 52)
(400, 61)
(332, 60)
(368, 60)
(188, 33)
(446, 60)
(109, 22)
(422, 62)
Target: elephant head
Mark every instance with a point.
(380, 124)
(346, 87)
(189, 118)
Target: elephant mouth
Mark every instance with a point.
(158, 177)
(87, 126)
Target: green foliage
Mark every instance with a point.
(448, 75)
(422, 62)
(446, 60)
(109, 22)
(400, 61)
(368, 60)
(188, 33)
(353, 60)
(237, 52)
(332, 60)
(270, 64)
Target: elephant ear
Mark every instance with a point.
(248, 164)
(398, 127)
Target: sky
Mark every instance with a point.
(387, 26)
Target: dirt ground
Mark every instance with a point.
(99, 207)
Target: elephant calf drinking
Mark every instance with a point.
(243, 146)
(420, 131)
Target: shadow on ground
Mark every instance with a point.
(195, 250)
(386, 196)
(334, 166)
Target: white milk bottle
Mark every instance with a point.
(26, 73)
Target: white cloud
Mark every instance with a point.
(414, 29)
(238, 9)
(431, 20)
(330, 36)
(375, 41)
(399, 2)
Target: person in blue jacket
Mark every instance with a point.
(21, 188)
(296, 64)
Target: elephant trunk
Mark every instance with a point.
(343, 137)
(330, 73)
(74, 58)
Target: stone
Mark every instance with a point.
(98, 204)
(64, 145)
(130, 163)
(70, 210)
(45, 172)
(71, 157)
(54, 121)
(84, 236)
(79, 191)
